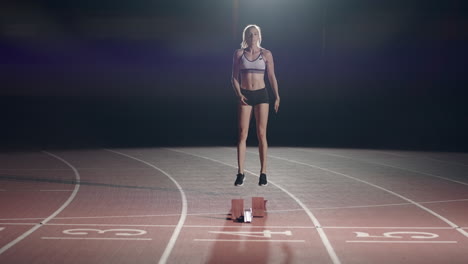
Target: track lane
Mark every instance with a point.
(183, 215)
(108, 188)
(214, 158)
(373, 214)
(416, 163)
(55, 213)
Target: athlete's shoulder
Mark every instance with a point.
(239, 51)
(267, 55)
(266, 52)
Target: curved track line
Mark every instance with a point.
(67, 202)
(391, 166)
(323, 236)
(450, 223)
(183, 215)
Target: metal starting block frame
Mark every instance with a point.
(248, 215)
(238, 214)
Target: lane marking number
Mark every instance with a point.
(414, 235)
(261, 234)
(117, 232)
(264, 233)
(411, 237)
(95, 238)
(82, 233)
(250, 240)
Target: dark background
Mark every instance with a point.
(352, 73)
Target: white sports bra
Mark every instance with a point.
(256, 66)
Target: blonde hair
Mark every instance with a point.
(244, 43)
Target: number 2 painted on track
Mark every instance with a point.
(415, 235)
(118, 232)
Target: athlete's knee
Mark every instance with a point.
(262, 135)
(243, 134)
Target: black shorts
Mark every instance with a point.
(256, 97)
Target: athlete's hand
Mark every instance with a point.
(243, 100)
(277, 103)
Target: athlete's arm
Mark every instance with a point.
(270, 66)
(235, 76)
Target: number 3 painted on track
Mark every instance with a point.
(125, 232)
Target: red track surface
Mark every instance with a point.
(171, 206)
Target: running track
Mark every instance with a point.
(170, 205)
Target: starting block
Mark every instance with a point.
(258, 206)
(238, 214)
(237, 209)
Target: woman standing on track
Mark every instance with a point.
(248, 72)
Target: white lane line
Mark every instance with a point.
(34, 169)
(389, 153)
(386, 165)
(403, 242)
(64, 205)
(249, 227)
(55, 190)
(388, 227)
(248, 240)
(18, 223)
(445, 201)
(119, 169)
(32, 190)
(183, 215)
(21, 219)
(386, 205)
(224, 213)
(423, 157)
(121, 225)
(246, 226)
(78, 168)
(125, 216)
(450, 223)
(323, 236)
(96, 238)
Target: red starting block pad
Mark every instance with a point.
(258, 206)
(237, 209)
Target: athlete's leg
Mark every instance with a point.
(244, 114)
(261, 118)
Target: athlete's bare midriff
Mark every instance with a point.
(252, 81)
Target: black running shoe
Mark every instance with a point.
(263, 180)
(239, 180)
